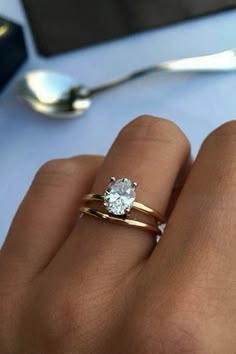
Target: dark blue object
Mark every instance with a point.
(12, 50)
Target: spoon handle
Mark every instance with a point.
(223, 61)
(124, 79)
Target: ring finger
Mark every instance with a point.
(150, 151)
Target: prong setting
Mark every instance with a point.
(120, 196)
(127, 211)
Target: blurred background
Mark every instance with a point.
(95, 42)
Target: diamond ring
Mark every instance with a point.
(118, 202)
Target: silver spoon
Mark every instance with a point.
(58, 96)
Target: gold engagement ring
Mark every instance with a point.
(118, 202)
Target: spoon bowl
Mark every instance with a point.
(52, 94)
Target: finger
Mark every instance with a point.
(202, 230)
(150, 151)
(48, 213)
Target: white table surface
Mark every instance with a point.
(197, 103)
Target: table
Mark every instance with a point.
(196, 102)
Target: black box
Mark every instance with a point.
(62, 25)
(12, 49)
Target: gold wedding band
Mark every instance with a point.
(115, 220)
(118, 201)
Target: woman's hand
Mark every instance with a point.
(70, 286)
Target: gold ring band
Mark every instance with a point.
(112, 219)
(136, 205)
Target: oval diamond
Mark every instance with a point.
(120, 196)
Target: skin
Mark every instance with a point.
(85, 286)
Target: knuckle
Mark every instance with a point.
(174, 324)
(225, 134)
(168, 334)
(57, 172)
(71, 316)
(60, 166)
(59, 319)
(228, 128)
(184, 322)
(149, 128)
(218, 152)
